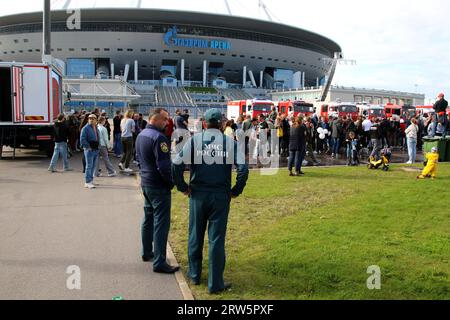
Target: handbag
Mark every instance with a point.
(280, 132)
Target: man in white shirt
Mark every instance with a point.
(367, 124)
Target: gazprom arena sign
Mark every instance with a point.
(171, 39)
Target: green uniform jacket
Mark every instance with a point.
(208, 175)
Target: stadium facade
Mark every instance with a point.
(173, 45)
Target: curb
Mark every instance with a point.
(179, 277)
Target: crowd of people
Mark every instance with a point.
(91, 134)
(338, 136)
(298, 137)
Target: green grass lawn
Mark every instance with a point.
(200, 90)
(314, 237)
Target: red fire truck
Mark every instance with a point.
(252, 108)
(335, 109)
(393, 110)
(294, 108)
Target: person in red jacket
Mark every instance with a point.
(169, 129)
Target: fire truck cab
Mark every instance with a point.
(295, 108)
(334, 109)
(392, 110)
(252, 108)
(371, 111)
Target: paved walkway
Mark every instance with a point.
(49, 222)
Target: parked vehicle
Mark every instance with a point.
(252, 108)
(392, 110)
(342, 109)
(30, 100)
(371, 111)
(295, 108)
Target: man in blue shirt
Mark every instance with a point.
(153, 154)
(211, 156)
(89, 140)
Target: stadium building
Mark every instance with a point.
(164, 47)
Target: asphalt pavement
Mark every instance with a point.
(50, 222)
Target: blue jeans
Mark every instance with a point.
(336, 145)
(412, 149)
(156, 224)
(91, 163)
(296, 157)
(60, 150)
(117, 144)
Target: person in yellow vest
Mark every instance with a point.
(432, 160)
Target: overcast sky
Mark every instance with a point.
(397, 44)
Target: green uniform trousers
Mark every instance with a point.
(208, 210)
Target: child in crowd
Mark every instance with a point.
(432, 160)
(352, 150)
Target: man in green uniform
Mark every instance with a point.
(211, 157)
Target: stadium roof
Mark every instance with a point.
(173, 15)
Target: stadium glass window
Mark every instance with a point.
(96, 49)
(29, 50)
(285, 61)
(38, 50)
(59, 49)
(4, 52)
(242, 56)
(234, 55)
(12, 52)
(71, 49)
(176, 51)
(270, 59)
(106, 49)
(260, 58)
(83, 49)
(25, 40)
(213, 53)
(252, 57)
(201, 53)
(152, 50)
(143, 50)
(188, 52)
(16, 41)
(21, 51)
(119, 49)
(166, 51)
(130, 50)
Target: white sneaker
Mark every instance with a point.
(409, 162)
(135, 162)
(112, 175)
(128, 170)
(89, 185)
(99, 175)
(121, 166)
